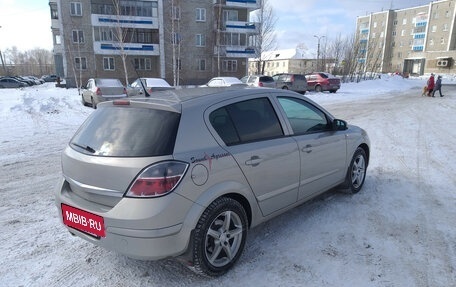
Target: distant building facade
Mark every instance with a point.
(295, 61)
(183, 41)
(414, 40)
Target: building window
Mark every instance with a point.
(80, 63)
(200, 14)
(175, 13)
(399, 55)
(229, 66)
(58, 39)
(373, 35)
(404, 21)
(436, 15)
(447, 14)
(108, 64)
(445, 27)
(442, 40)
(394, 33)
(143, 64)
(434, 28)
(431, 42)
(106, 34)
(54, 11)
(200, 40)
(75, 9)
(201, 65)
(382, 34)
(78, 36)
(230, 15)
(175, 38)
(375, 24)
(395, 22)
(403, 33)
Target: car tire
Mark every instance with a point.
(333, 91)
(219, 237)
(318, 89)
(356, 173)
(94, 105)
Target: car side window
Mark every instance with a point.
(304, 118)
(246, 121)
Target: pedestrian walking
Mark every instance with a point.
(430, 85)
(438, 86)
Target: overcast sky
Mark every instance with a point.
(26, 24)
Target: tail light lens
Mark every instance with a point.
(158, 179)
(260, 84)
(150, 91)
(98, 92)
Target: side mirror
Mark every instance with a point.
(339, 125)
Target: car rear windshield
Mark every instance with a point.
(108, 83)
(127, 132)
(266, 79)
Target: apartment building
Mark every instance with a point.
(294, 61)
(414, 40)
(184, 41)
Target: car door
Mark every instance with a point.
(270, 162)
(322, 149)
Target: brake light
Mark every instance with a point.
(98, 92)
(158, 179)
(260, 84)
(150, 91)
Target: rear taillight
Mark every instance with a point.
(121, 102)
(150, 91)
(98, 92)
(158, 179)
(260, 84)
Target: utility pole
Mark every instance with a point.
(318, 51)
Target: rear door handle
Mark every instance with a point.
(253, 161)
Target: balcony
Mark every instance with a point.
(235, 51)
(419, 35)
(248, 4)
(114, 48)
(421, 23)
(417, 48)
(241, 27)
(125, 21)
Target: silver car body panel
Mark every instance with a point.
(271, 176)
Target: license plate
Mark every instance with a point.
(84, 221)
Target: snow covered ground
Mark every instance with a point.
(398, 231)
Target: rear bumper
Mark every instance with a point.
(146, 229)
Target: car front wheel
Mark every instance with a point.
(219, 237)
(318, 89)
(356, 173)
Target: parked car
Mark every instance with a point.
(188, 177)
(292, 82)
(224, 82)
(320, 82)
(99, 90)
(7, 82)
(146, 86)
(259, 81)
(49, 78)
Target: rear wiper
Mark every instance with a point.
(84, 147)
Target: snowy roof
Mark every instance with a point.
(287, 54)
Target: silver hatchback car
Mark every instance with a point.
(187, 174)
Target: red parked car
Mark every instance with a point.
(322, 82)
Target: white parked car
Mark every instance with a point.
(224, 82)
(146, 86)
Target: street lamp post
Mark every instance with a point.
(318, 50)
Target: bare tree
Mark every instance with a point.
(121, 35)
(265, 40)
